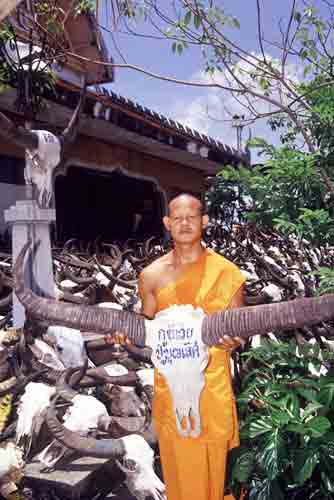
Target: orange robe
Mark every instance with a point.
(194, 468)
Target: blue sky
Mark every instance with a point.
(183, 103)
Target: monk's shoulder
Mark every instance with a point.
(151, 273)
(222, 263)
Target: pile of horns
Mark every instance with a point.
(276, 268)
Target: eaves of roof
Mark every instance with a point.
(110, 106)
(117, 120)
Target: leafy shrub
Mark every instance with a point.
(286, 410)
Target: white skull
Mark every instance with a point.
(181, 356)
(11, 459)
(137, 464)
(83, 415)
(46, 355)
(68, 344)
(31, 411)
(40, 164)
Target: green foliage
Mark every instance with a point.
(313, 225)
(196, 20)
(290, 191)
(286, 413)
(32, 81)
(84, 6)
(285, 193)
(326, 280)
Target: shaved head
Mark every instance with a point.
(185, 199)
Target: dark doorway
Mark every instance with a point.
(112, 206)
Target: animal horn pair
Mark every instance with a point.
(243, 322)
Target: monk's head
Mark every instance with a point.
(186, 219)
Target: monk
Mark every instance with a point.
(194, 468)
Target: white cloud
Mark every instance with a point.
(211, 111)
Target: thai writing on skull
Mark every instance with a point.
(176, 344)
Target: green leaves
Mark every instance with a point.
(285, 192)
(267, 490)
(273, 454)
(286, 425)
(305, 461)
(197, 21)
(178, 47)
(235, 22)
(326, 278)
(318, 426)
(260, 426)
(187, 17)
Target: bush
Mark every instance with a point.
(286, 410)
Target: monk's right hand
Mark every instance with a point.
(229, 344)
(116, 338)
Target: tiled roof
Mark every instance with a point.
(174, 126)
(103, 104)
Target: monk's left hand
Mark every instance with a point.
(230, 343)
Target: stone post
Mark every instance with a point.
(31, 222)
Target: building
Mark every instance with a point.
(125, 164)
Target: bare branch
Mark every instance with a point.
(17, 135)
(69, 134)
(259, 31)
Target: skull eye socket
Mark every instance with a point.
(130, 465)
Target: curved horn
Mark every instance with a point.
(101, 375)
(6, 301)
(5, 320)
(65, 387)
(18, 135)
(69, 134)
(70, 297)
(74, 261)
(6, 280)
(7, 385)
(77, 279)
(86, 318)
(143, 354)
(113, 280)
(103, 448)
(262, 319)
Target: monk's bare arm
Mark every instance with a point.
(146, 292)
(146, 283)
(238, 299)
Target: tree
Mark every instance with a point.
(295, 105)
(253, 77)
(34, 37)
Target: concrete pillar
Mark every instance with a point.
(31, 222)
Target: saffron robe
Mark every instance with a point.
(194, 468)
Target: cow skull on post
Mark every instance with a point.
(28, 219)
(44, 150)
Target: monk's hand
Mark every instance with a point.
(116, 338)
(230, 343)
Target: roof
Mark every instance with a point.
(81, 35)
(106, 105)
(118, 120)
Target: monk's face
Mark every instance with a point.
(185, 220)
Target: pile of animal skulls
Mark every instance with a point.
(117, 386)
